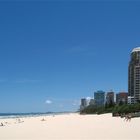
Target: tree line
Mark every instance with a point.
(115, 109)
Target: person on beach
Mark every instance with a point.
(128, 117)
(19, 121)
(2, 124)
(43, 119)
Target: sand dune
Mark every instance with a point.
(70, 127)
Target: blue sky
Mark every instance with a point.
(54, 53)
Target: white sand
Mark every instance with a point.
(71, 127)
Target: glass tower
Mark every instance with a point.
(99, 97)
(134, 75)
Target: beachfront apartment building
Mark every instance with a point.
(130, 100)
(84, 103)
(122, 97)
(110, 97)
(92, 102)
(99, 97)
(134, 75)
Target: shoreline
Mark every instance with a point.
(24, 115)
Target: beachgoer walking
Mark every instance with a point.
(128, 117)
(2, 124)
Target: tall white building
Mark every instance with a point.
(134, 75)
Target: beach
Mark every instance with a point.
(70, 127)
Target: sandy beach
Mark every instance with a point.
(70, 127)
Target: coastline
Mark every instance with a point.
(70, 126)
(24, 115)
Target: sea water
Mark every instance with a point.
(21, 115)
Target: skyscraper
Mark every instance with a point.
(122, 97)
(134, 75)
(99, 97)
(83, 103)
(110, 97)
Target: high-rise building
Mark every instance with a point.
(130, 100)
(134, 75)
(83, 103)
(92, 102)
(110, 97)
(99, 98)
(122, 98)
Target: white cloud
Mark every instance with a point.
(88, 98)
(48, 102)
(76, 102)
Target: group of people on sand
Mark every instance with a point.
(128, 117)
(17, 121)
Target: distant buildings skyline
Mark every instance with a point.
(101, 98)
(133, 95)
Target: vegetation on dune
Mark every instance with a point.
(112, 108)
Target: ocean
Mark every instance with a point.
(21, 115)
